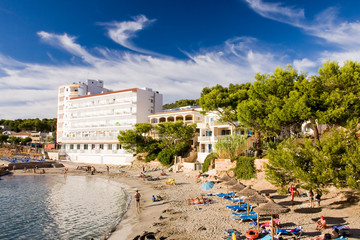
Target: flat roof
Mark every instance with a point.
(107, 93)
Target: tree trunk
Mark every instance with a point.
(258, 143)
(315, 129)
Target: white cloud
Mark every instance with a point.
(67, 43)
(123, 32)
(276, 11)
(30, 90)
(305, 65)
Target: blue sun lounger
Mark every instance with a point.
(225, 194)
(238, 207)
(293, 231)
(243, 213)
(244, 218)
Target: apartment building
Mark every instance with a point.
(91, 116)
(208, 129)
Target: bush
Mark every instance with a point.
(245, 168)
(151, 157)
(166, 156)
(209, 160)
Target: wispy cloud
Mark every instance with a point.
(277, 11)
(123, 32)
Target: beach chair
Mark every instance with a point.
(243, 213)
(296, 232)
(236, 206)
(225, 194)
(244, 218)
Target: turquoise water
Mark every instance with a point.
(58, 207)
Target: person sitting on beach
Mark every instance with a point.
(163, 173)
(321, 224)
(334, 234)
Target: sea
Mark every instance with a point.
(60, 207)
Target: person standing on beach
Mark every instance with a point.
(137, 200)
(107, 169)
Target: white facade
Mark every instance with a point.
(89, 122)
(208, 129)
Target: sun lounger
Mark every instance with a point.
(293, 231)
(243, 213)
(264, 224)
(225, 194)
(236, 206)
(245, 218)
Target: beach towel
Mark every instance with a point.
(341, 227)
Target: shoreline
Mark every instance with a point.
(130, 224)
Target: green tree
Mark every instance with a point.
(224, 101)
(268, 109)
(334, 160)
(138, 140)
(26, 140)
(173, 133)
(14, 140)
(3, 138)
(181, 103)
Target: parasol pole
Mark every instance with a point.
(257, 223)
(272, 228)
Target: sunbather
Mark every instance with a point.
(332, 235)
(321, 224)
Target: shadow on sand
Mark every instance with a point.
(308, 210)
(290, 203)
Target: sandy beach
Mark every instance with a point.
(174, 218)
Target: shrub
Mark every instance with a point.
(209, 160)
(151, 157)
(245, 168)
(231, 146)
(166, 156)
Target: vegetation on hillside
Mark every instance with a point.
(18, 125)
(181, 103)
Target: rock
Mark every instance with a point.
(202, 228)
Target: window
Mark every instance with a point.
(92, 146)
(118, 146)
(78, 146)
(101, 146)
(109, 146)
(86, 146)
(208, 133)
(71, 146)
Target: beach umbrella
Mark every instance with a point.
(237, 187)
(225, 177)
(246, 192)
(271, 208)
(207, 186)
(257, 199)
(229, 183)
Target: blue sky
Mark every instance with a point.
(176, 47)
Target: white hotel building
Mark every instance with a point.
(90, 118)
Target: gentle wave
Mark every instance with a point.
(57, 207)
